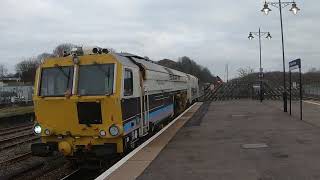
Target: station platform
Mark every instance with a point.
(240, 139)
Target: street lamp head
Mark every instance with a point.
(294, 9)
(269, 36)
(250, 36)
(265, 8)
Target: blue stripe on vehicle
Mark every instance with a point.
(161, 114)
(154, 116)
(130, 125)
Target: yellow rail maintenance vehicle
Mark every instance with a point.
(97, 104)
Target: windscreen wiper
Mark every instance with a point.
(64, 73)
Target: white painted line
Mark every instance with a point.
(254, 146)
(239, 115)
(311, 102)
(69, 175)
(127, 157)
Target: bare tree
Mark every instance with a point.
(43, 56)
(60, 49)
(313, 70)
(27, 69)
(3, 70)
(187, 65)
(243, 72)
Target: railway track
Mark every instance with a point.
(35, 168)
(17, 140)
(16, 129)
(20, 136)
(16, 135)
(16, 158)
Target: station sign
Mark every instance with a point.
(256, 86)
(295, 64)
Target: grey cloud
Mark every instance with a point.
(211, 32)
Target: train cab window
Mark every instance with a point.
(56, 81)
(128, 82)
(96, 79)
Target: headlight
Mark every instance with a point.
(114, 130)
(102, 133)
(47, 132)
(37, 129)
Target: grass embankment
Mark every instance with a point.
(15, 111)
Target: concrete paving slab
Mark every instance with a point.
(212, 150)
(254, 146)
(310, 108)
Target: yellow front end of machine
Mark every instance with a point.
(77, 106)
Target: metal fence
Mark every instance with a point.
(312, 90)
(20, 94)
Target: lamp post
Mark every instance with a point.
(260, 34)
(294, 9)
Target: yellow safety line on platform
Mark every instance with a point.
(113, 168)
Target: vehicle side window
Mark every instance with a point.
(128, 82)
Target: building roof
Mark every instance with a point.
(10, 79)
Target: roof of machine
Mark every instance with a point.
(150, 65)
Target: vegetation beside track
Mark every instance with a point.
(15, 111)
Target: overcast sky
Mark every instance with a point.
(211, 32)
